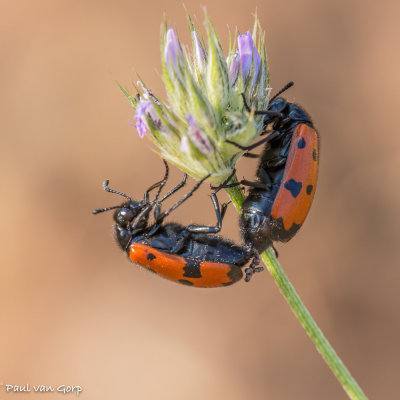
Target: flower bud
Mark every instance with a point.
(172, 50)
(199, 55)
(233, 62)
(249, 56)
(198, 137)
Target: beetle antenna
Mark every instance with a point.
(109, 190)
(100, 210)
(286, 87)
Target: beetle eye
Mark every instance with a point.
(124, 216)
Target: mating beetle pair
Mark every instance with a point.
(275, 208)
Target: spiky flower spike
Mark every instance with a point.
(205, 105)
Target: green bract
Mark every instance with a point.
(205, 105)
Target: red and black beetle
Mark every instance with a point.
(192, 255)
(278, 202)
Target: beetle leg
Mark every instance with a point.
(157, 208)
(275, 251)
(276, 162)
(176, 188)
(218, 213)
(225, 183)
(157, 211)
(155, 227)
(222, 186)
(251, 147)
(264, 177)
(253, 268)
(164, 214)
(272, 136)
(152, 187)
(180, 242)
(158, 185)
(257, 184)
(250, 155)
(224, 208)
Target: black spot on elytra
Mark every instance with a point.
(309, 189)
(301, 144)
(283, 235)
(151, 257)
(314, 155)
(293, 186)
(185, 282)
(234, 274)
(192, 269)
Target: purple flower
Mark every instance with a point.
(247, 51)
(145, 107)
(172, 50)
(198, 137)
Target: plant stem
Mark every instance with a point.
(321, 343)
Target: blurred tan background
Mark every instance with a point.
(75, 311)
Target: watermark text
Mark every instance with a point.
(27, 388)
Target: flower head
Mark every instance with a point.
(205, 106)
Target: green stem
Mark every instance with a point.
(321, 343)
